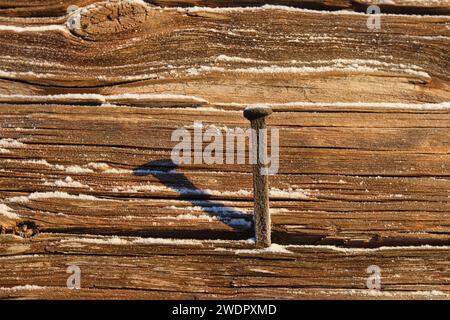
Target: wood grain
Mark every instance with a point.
(88, 103)
(52, 8)
(353, 178)
(215, 271)
(292, 58)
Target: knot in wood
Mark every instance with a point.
(102, 20)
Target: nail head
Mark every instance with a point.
(256, 112)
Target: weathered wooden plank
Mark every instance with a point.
(354, 178)
(152, 269)
(50, 8)
(339, 59)
(410, 144)
(90, 159)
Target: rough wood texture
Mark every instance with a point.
(367, 178)
(52, 8)
(88, 102)
(130, 270)
(291, 57)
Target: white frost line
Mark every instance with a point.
(106, 98)
(30, 74)
(11, 143)
(374, 293)
(52, 27)
(274, 248)
(69, 169)
(419, 3)
(183, 191)
(432, 293)
(202, 108)
(209, 218)
(290, 193)
(105, 168)
(277, 248)
(54, 195)
(68, 182)
(226, 58)
(446, 38)
(375, 105)
(189, 216)
(24, 287)
(65, 195)
(88, 168)
(368, 250)
(216, 210)
(211, 127)
(22, 256)
(8, 212)
(281, 8)
(154, 96)
(114, 240)
(274, 192)
(279, 210)
(315, 66)
(337, 67)
(33, 61)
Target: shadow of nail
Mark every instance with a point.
(165, 171)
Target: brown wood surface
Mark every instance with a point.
(247, 59)
(53, 8)
(86, 117)
(148, 271)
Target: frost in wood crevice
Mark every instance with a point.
(8, 212)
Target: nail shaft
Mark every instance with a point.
(257, 117)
